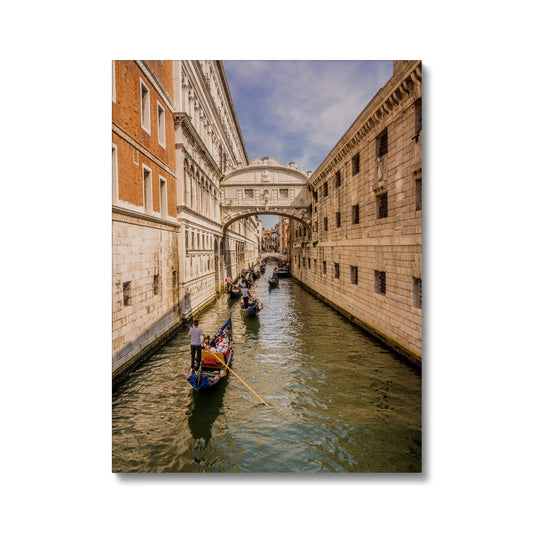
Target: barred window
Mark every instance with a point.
(309, 262)
(338, 219)
(418, 195)
(325, 188)
(380, 282)
(156, 284)
(324, 269)
(338, 178)
(354, 275)
(355, 214)
(355, 164)
(382, 206)
(417, 293)
(126, 293)
(337, 270)
(382, 143)
(284, 193)
(418, 116)
(325, 223)
(248, 193)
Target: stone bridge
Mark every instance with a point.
(266, 187)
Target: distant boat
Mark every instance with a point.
(283, 270)
(234, 292)
(273, 281)
(212, 369)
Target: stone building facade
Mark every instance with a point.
(174, 135)
(364, 253)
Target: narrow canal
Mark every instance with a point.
(343, 402)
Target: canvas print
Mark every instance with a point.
(267, 266)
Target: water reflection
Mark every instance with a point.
(348, 406)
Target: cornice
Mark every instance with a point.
(155, 221)
(138, 146)
(182, 119)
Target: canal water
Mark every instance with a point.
(341, 402)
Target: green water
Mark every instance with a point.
(343, 402)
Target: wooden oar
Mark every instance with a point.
(265, 305)
(242, 381)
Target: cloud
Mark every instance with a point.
(298, 110)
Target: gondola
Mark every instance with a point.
(215, 358)
(273, 282)
(253, 309)
(283, 270)
(234, 292)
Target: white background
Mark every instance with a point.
(56, 266)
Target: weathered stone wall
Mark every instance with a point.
(145, 256)
(349, 187)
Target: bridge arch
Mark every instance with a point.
(266, 187)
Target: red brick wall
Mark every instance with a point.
(126, 115)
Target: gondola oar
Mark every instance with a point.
(263, 304)
(242, 381)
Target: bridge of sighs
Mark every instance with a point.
(266, 187)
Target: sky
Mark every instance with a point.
(298, 110)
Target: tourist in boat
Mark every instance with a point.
(228, 283)
(195, 334)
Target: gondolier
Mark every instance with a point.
(195, 334)
(245, 293)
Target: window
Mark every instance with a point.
(324, 269)
(355, 164)
(418, 194)
(326, 188)
(418, 117)
(354, 275)
(382, 143)
(114, 167)
(114, 81)
(309, 263)
(417, 293)
(187, 240)
(163, 197)
(161, 125)
(126, 293)
(156, 284)
(314, 265)
(315, 196)
(174, 279)
(337, 270)
(147, 190)
(338, 178)
(380, 282)
(284, 193)
(338, 219)
(382, 207)
(145, 107)
(325, 223)
(248, 193)
(355, 214)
